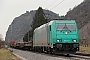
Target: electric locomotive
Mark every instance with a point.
(57, 36)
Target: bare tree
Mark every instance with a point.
(2, 43)
(1, 37)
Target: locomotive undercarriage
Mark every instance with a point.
(66, 47)
(59, 48)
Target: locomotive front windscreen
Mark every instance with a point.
(65, 27)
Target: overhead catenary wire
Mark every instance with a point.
(54, 6)
(57, 4)
(52, 3)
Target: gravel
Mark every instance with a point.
(27, 55)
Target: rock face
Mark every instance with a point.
(22, 24)
(80, 13)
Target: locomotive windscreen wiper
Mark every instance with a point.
(66, 28)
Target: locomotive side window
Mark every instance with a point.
(50, 27)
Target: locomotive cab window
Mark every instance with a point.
(65, 27)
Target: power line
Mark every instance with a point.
(57, 4)
(51, 4)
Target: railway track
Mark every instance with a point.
(77, 56)
(70, 57)
(82, 57)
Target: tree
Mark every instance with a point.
(1, 37)
(39, 19)
(28, 36)
(2, 43)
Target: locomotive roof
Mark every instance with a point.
(56, 21)
(64, 21)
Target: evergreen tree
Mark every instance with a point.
(28, 36)
(39, 18)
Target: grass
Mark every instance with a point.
(85, 49)
(7, 55)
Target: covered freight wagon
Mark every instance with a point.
(12, 42)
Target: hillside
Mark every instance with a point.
(22, 24)
(80, 13)
(84, 34)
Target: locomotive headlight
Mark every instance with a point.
(74, 40)
(66, 32)
(58, 41)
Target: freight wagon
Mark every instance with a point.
(23, 45)
(12, 42)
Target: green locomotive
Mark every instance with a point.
(57, 36)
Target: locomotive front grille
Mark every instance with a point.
(66, 46)
(58, 45)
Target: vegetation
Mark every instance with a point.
(1, 37)
(6, 55)
(38, 20)
(2, 43)
(85, 49)
(28, 36)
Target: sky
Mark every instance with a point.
(9, 9)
